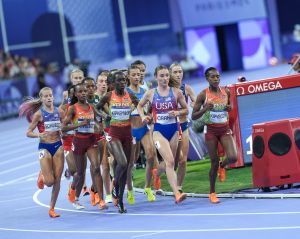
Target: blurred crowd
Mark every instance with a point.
(15, 66)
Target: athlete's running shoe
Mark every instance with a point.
(121, 207)
(114, 195)
(221, 173)
(76, 204)
(213, 198)
(92, 197)
(102, 205)
(97, 200)
(85, 191)
(151, 197)
(71, 194)
(52, 213)
(130, 197)
(156, 179)
(179, 197)
(40, 181)
(108, 198)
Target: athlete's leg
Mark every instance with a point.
(135, 151)
(229, 146)
(149, 148)
(212, 147)
(57, 167)
(93, 154)
(46, 167)
(166, 150)
(80, 172)
(183, 158)
(105, 165)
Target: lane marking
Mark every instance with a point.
(19, 158)
(36, 200)
(156, 231)
(19, 167)
(146, 235)
(19, 179)
(25, 208)
(13, 200)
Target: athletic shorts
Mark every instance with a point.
(82, 144)
(50, 147)
(67, 142)
(123, 134)
(216, 133)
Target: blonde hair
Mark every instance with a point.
(32, 105)
(75, 71)
(172, 82)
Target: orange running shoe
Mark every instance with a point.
(71, 194)
(92, 198)
(179, 197)
(221, 173)
(102, 205)
(52, 213)
(213, 198)
(40, 181)
(97, 200)
(156, 179)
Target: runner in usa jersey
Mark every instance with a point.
(164, 101)
(42, 114)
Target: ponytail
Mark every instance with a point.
(31, 105)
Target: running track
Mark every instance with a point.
(24, 212)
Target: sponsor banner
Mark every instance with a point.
(260, 86)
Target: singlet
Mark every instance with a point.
(81, 115)
(139, 96)
(94, 102)
(161, 105)
(120, 109)
(217, 116)
(51, 121)
(70, 132)
(182, 88)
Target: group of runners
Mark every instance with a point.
(107, 121)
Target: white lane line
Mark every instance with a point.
(12, 152)
(19, 179)
(145, 235)
(13, 200)
(18, 144)
(19, 167)
(19, 158)
(156, 231)
(36, 200)
(25, 208)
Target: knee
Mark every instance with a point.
(96, 170)
(182, 163)
(170, 165)
(49, 181)
(123, 164)
(105, 168)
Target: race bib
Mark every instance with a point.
(218, 117)
(165, 119)
(51, 126)
(89, 128)
(120, 114)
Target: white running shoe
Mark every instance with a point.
(77, 205)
